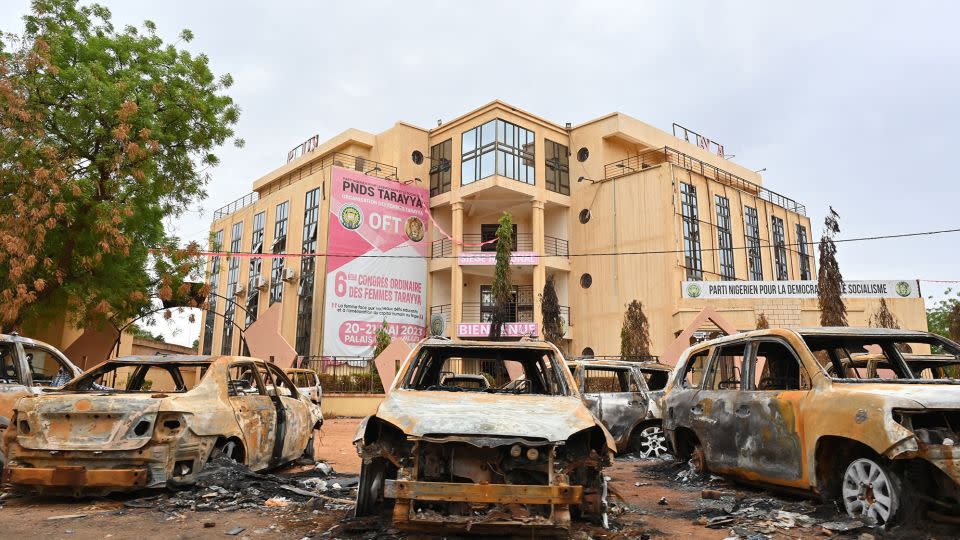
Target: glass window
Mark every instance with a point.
(725, 239)
(311, 216)
(780, 249)
(752, 233)
(233, 276)
(256, 268)
(804, 252)
(656, 379)
(558, 167)
(727, 368)
(776, 368)
(694, 371)
(215, 244)
(497, 147)
(279, 246)
(691, 231)
(440, 156)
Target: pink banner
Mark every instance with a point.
(489, 258)
(514, 329)
(371, 216)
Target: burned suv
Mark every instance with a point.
(143, 422)
(522, 452)
(870, 417)
(626, 397)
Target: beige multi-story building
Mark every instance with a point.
(612, 209)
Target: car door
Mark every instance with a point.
(771, 412)
(255, 412)
(297, 426)
(714, 412)
(12, 376)
(613, 395)
(46, 367)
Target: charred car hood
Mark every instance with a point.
(930, 396)
(551, 418)
(86, 421)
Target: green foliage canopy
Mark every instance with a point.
(104, 132)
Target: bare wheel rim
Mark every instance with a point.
(653, 443)
(868, 492)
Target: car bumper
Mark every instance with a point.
(75, 477)
(559, 497)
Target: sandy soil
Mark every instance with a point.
(108, 518)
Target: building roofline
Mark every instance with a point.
(496, 104)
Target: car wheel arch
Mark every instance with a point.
(832, 453)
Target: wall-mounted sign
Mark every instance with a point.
(438, 326)
(513, 329)
(798, 289)
(369, 218)
(489, 258)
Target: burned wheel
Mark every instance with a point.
(651, 442)
(373, 476)
(871, 491)
(230, 449)
(310, 450)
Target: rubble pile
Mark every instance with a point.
(225, 486)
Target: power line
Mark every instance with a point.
(598, 254)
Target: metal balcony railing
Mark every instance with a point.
(441, 248)
(555, 247)
(446, 311)
(479, 312)
(521, 242)
(650, 158)
(228, 209)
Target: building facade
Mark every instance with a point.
(612, 209)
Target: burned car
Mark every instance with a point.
(307, 382)
(522, 453)
(618, 393)
(144, 422)
(855, 415)
(26, 367)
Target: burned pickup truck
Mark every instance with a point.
(869, 417)
(143, 422)
(521, 453)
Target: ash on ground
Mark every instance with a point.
(225, 485)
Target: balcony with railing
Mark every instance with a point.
(232, 207)
(651, 158)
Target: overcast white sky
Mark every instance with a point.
(852, 104)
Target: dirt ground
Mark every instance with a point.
(640, 487)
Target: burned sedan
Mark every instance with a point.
(26, 367)
(522, 453)
(144, 422)
(869, 417)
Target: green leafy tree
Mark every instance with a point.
(550, 310)
(944, 317)
(104, 132)
(502, 288)
(382, 339)
(635, 333)
(762, 322)
(833, 312)
(142, 333)
(883, 317)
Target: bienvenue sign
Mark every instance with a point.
(798, 289)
